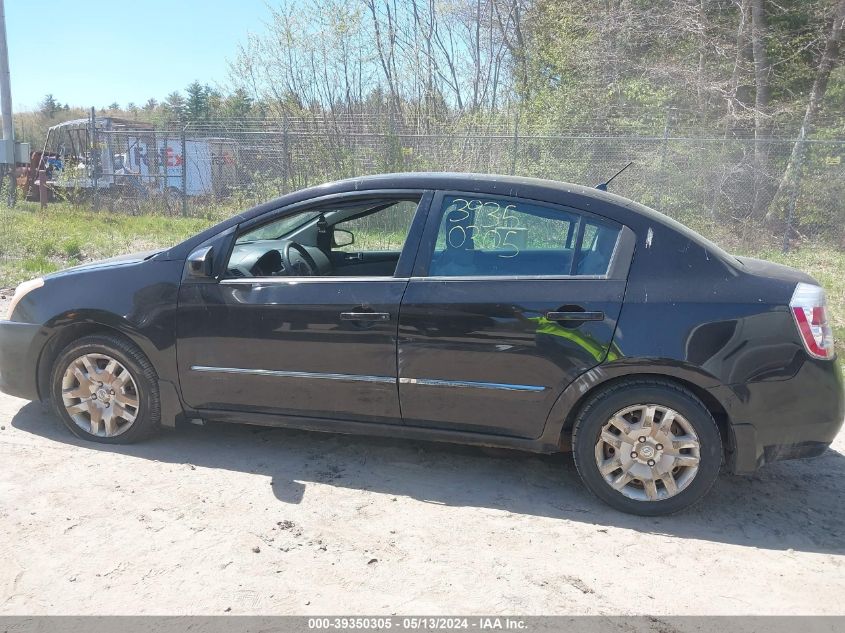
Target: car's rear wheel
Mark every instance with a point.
(105, 389)
(647, 447)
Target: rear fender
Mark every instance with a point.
(706, 386)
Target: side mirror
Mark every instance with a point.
(342, 237)
(201, 262)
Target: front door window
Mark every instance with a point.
(360, 238)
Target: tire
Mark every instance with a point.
(85, 383)
(682, 430)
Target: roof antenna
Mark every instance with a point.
(603, 186)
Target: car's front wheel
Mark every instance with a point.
(647, 447)
(105, 389)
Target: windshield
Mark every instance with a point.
(278, 229)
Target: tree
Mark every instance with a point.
(238, 105)
(150, 105)
(421, 53)
(790, 181)
(214, 102)
(174, 106)
(49, 106)
(196, 103)
(762, 124)
(114, 106)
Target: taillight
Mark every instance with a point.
(809, 309)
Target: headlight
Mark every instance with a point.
(21, 291)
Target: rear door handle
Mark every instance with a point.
(365, 316)
(575, 316)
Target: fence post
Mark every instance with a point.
(661, 177)
(794, 189)
(184, 172)
(42, 188)
(515, 141)
(3, 178)
(95, 160)
(790, 211)
(13, 186)
(285, 154)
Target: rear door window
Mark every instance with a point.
(489, 236)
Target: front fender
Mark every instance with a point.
(137, 300)
(56, 331)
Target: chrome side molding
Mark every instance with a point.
(293, 374)
(426, 382)
(431, 382)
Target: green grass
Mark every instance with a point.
(35, 242)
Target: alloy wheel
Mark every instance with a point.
(100, 395)
(648, 452)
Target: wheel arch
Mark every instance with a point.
(71, 326)
(66, 328)
(569, 404)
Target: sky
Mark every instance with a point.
(94, 52)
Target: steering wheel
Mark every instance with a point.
(305, 266)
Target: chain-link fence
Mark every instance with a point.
(137, 168)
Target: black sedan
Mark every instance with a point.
(486, 310)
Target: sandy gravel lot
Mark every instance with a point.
(230, 519)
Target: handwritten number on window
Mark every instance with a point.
(457, 236)
(506, 243)
(496, 229)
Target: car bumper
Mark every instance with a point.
(19, 346)
(789, 419)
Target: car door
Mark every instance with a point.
(307, 346)
(510, 301)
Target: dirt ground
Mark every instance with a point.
(245, 520)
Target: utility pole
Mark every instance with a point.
(8, 158)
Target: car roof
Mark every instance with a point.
(516, 186)
(580, 197)
(486, 183)
(564, 193)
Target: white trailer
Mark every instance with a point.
(128, 155)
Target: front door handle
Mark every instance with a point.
(365, 316)
(575, 316)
